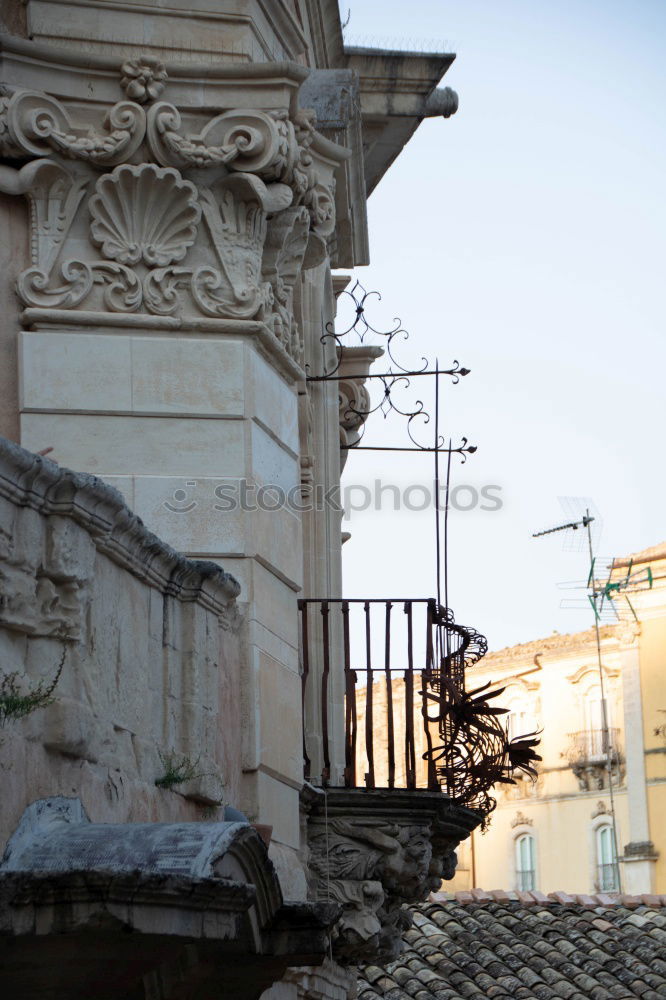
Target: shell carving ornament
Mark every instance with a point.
(144, 214)
(163, 245)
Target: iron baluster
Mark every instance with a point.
(389, 697)
(350, 704)
(410, 750)
(369, 745)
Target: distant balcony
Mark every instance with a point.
(592, 754)
(607, 878)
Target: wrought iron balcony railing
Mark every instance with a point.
(592, 746)
(607, 878)
(385, 705)
(380, 655)
(526, 880)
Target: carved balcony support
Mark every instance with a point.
(373, 851)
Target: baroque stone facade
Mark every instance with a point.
(178, 183)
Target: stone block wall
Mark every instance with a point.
(150, 648)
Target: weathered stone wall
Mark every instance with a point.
(151, 647)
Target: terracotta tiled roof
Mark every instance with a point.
(561, 947)
(654, 553)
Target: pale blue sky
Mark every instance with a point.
(525, 237)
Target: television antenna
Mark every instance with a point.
(609, 592)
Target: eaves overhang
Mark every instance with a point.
(397, 91)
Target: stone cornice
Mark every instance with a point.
(93, 79)
(397, 91)
(209, 886)
(199, 70)
(28, 480)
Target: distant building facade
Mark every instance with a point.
(557, 833)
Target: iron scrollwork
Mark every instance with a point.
(355, 410)
(475, 751)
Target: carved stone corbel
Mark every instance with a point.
(235, 209)
(372, 852)
(284, 256)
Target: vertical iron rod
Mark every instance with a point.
(369, 749)
(604, 713)
(426, 677)
(389, 697)
(438, 517)
(350, 704)
(410, 753)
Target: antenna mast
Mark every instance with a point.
(584, 523)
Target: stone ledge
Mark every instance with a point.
(28, 480)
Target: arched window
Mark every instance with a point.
(525, 862)
(606, 866)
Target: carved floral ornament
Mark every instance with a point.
(229, 243)
(143, 79)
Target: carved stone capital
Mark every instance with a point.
(227, 243)
(372, 852)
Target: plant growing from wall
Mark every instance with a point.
(178, 768)
(16, 703)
